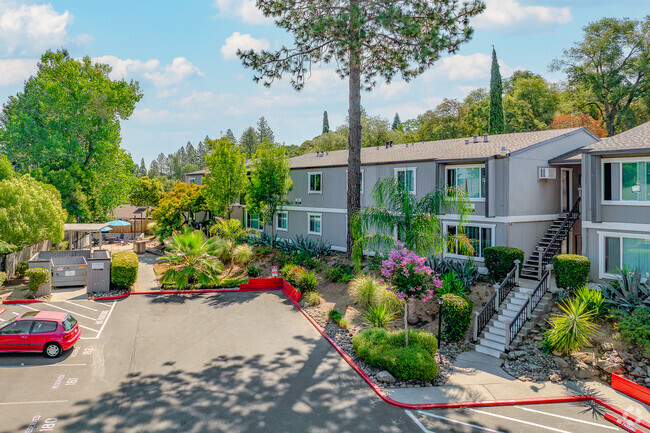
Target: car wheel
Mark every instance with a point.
(52, 350)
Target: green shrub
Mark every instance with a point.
(293, 274)
(457, 315)
(379, 316)
(307, 282)
(367, 292)
(341, 273)
(21, 268)
(635, 329)
(253, 271)
(124, 269)
(593, 300)
(571, 330)
(242, 254)
(384, 349)
(312, 299)
(571, 271)
(37, 276)
(335, 315)
(3, 278)
(374, 262)
(500, 260)
(343, 324)
(451, 283)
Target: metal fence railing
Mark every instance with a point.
(482, 318)
(513, 328)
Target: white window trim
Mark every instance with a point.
(601, 250)
(455, 166)
(309, 232)
(603, 161)
(415, 176)
(261, 229)
(446, 224)
(570, 191)
(309, 174)
(363, 180)
(277, 227)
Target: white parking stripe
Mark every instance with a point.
(17, 314)
(28, 307)
(82, 306)
(32, 402)
(567, 418)
(519, 421)
(460, 422)
(85, 327)
(71, 312)
(417, 422)
(2, 320)
(106, 320)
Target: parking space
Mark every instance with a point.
(560, 418)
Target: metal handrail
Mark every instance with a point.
(543, 260)
(482, 318)
(513, 328)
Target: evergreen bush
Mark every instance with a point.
(457, 316)
(571, 271)
(124, 269)
(500, 260)
(37, 276)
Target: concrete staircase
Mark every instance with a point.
(492, 341)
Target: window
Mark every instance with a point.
(41, 327)
(314, 223)
(406, 176)
(625, 251)
(17, 328)
(626, 181)
(469, 179)
(69, 322)
(360, 180)
(480, 237)
(316, 183)
(282, 221)
(253, 221)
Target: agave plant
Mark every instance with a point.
(571, 330)
(315, 248)
(627, 292)
(379, 316)
(192, 260)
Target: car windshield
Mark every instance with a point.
(69, 322)
(9, 322)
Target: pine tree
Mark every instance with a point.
(396, 122)
(326, 123)
(249, 141)
(231, 136)
(143, 169)
(264, 131)
(154, 169)
(497, 124)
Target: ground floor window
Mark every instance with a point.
(626, 251)
(282, 221)
(253, 221)
(314, 224)
(480, 237)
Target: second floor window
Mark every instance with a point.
(406, 176)
(315, 183)
(469, 179)
(627, 181)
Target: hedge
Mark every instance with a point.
(571, 271)
(500, 260)
(385, 349)
(37, 276)
(3, 278)
(124, 269)
(457, 315)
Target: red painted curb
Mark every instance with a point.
(621, 412)
(3, 310)
(22, 301)
(630, 388)
(622, 424)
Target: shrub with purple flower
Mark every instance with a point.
(408, 276)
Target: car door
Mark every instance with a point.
(42, 332)
(15, 336)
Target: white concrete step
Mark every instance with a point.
(505, 314)
(497, 328)
(501, 339)
(512, 307)
(517, 301)
(501, 347)
(496, 324)
(488, 351)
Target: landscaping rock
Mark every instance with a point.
(610, 366)
(638, 372)
(584, 371)
(555, 377)
(385, 377)
(561, 362)
(607, 346)
(585, 357)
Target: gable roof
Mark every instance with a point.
(637, 138)
(445, 150)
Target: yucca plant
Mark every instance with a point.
(627, 292)
(451, 283)
(379, 316)
(571, 330)
(192, 260)
(593, 300)
(233, 233)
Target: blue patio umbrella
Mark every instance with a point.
(106, 229)
(118, 223)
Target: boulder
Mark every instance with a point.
(607, 346)
(586, 357)
(638, 372)
(561, 362)
(385, 377)
(584, 371)
(610, 367)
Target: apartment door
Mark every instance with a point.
(566, 189)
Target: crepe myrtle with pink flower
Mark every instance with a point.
(409, 278)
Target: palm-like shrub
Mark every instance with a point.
(379, 316)
(572, 329)
(451, 283)
(233, 233)
(593, 300)
(192, 260)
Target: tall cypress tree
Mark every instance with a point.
(497, 123)
(396, 122)
(326, 123)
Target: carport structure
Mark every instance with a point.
(85, 228)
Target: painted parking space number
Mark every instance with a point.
(68, 382)
(49, 424)
(88, 351)
(101, 318)
(32, 424)
(71, 381)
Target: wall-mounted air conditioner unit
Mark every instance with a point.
(544, 173)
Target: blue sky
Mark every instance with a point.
(182, 54)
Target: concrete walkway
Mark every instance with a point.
(146, 276)
(479, 377)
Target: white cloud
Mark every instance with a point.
(179, 70)
(242, 9)
(16, 70)
(32, 28)
(390, 91)
(239, 41)
(505, 13)
(471, 67)
(125, 67)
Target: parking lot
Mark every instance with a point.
(226, 362)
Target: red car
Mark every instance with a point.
(49, 332)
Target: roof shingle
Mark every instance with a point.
(635, 138)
